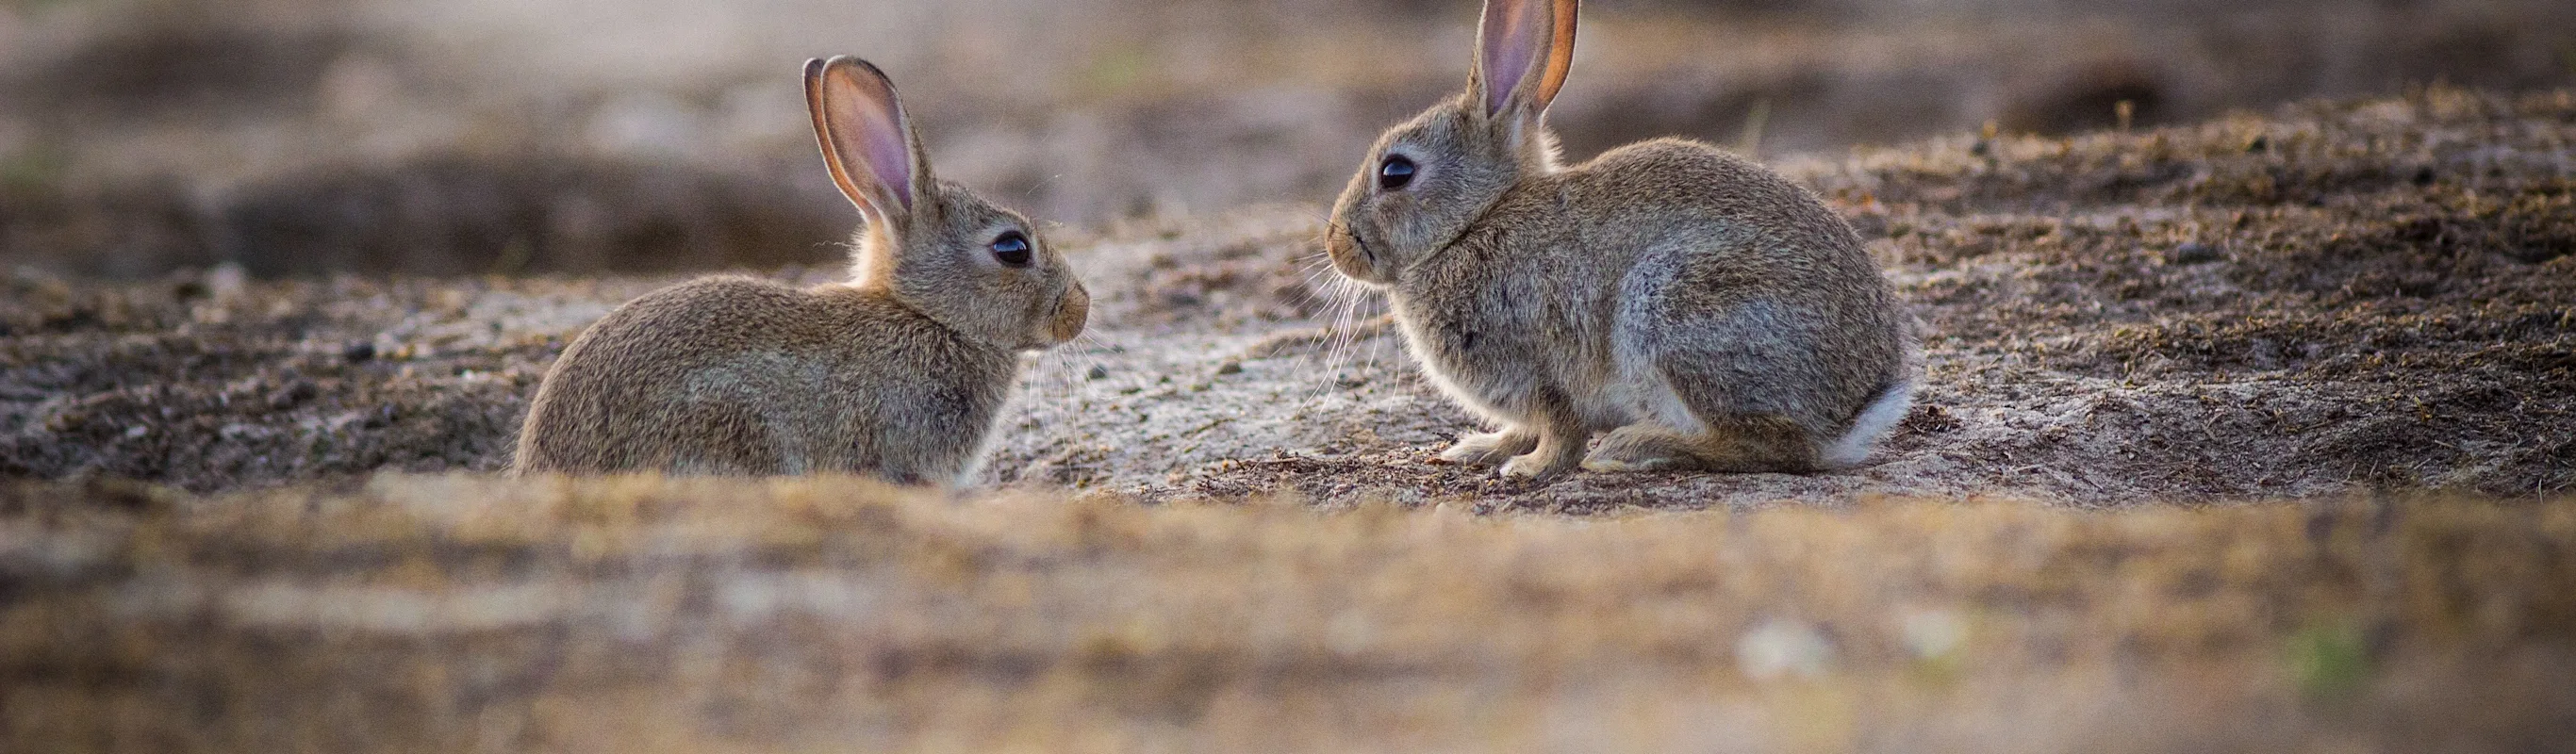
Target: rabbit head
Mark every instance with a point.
(1426, 180)
(980, 269)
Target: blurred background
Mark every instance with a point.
(454, 137)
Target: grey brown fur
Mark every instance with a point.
(899, 373)
(1706, 312)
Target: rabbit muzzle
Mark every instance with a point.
(1352, 255)
(1071, 312)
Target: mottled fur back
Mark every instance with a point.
(735, 375)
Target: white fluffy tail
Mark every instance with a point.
(1874, 422)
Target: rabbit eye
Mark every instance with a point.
(1012, 248)
(1395, 173)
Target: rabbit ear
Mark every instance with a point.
(1523, 51)
(866, 138)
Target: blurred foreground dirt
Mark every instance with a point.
(643, 615)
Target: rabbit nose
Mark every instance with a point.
(1070, 314)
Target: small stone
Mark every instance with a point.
(293, 393)
(1932, 634)
(1230, 366)
(1929, 419)
(2196, 253)
(362, 352)
(228, 281)
(1782, 647)
(1098, 372)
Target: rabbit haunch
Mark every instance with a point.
(899, 373)
(1706, 312)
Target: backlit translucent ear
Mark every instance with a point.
(866, 139)
(1523, 52)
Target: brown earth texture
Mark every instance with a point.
(257, 514)
(2327, 299)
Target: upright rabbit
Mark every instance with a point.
(1707, 312)
(898, 373)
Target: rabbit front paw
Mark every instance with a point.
(1489, 448)
(1535, 466)
(1552, 458)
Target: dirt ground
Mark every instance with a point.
(2247, 427)
(2325, 299)
(1215, 523)
(632, 615)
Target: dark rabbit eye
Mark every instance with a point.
(1395, 173)
(1012, 248)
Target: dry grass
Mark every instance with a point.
(640, 615)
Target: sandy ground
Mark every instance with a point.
(632, 615)
(2326, 299)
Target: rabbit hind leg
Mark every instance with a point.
(1740, 444)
